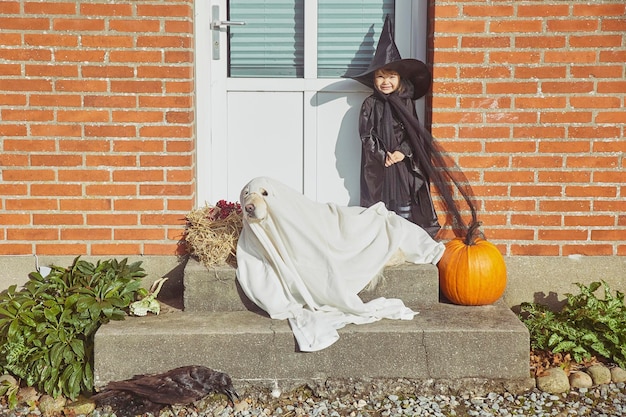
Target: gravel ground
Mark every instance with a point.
(605, 400)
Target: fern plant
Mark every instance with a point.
(586, 326)
(47, 327)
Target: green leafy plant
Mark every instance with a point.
(585, 326)
(47, 327)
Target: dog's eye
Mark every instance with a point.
(263, 192)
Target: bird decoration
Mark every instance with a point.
(150, 393)
(148, 303)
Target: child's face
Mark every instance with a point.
(386, 81)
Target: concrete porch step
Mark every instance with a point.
(443, 342)
(217, 289)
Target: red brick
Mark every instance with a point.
(158, 71)
(563, 176)
(603, 132)
(56, 130)
(36, 70)
(178, 56)
(110, 131)
(139, 204)
(106, 9)
(572, 25)
(164, 41)
(540, 102)
(618, 145)
(166, 131)
(84, 175)
(91, 204)
(30, 204)
(570, 56)
(587, 249)
(79, 55)
(588, 220)
(136, 86)
(510, 147)
(28, 115)
(138, 175)
(10, 69)
(139, 146)
(488, 11)
(15, 249)
(512, 87)
(115, 249)
(55, 190)
(31, 234)
(28, 175)
(179, 117)
(111, 190)
(58, 219)
(84, 145)
(107, 41)
(14, 219)
(77, 24)
(164, 10)
(49, 8)
(111, 160)
(24, 23)
(596, 102)
(537, 161)
(52, 160)
(484, 161)
(166, 189)
(611, 117)
(43, 55)
(590, 191)
(56, 100)
(50, 39)
(565, 206)
(592, 162)
(137, 116)
(135, 25)
(611, 87)
(513, 26)
(560, 146)
(178, 27)
(542, 10)
(536, 219)
(115, 219)
(541, 132)
(72, 249)
(31, 145)
(82, 116)
(107, 71)
(165, 160)
(110, 101)
(164, 249)
(595, 41)
(91, 233)
(163, 219)
(601, 10)
(25, 85)
(546, 41)
(566, 117)
(139, 234)
(566, 87)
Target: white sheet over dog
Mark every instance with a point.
(307, 261)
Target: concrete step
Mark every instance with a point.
(443, 342)
(217, 289)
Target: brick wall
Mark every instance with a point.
(529, 96)
(97, 130)
(96, 126)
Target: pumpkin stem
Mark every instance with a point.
(473, 233)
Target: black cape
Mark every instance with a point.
(401, 184)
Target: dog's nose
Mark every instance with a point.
(249, 208)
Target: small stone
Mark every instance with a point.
(553, 381)
(82, 406)
(600, 374)
(27, 395)
(618, 374)
(50, 406)
(580, 379)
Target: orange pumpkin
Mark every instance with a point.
(472, 270)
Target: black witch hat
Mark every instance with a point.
(387, 56)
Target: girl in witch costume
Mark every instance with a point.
(399, 156)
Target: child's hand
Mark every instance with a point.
(393, 157)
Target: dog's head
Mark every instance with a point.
(252, 201)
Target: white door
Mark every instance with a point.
(294, 120)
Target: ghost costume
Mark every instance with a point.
(306, 261)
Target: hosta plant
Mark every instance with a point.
(47, 327)
(586, 326)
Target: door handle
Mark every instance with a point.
(219, 24)
(216, 26)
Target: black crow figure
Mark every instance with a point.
(150, 393)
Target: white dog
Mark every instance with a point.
(307, 261)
